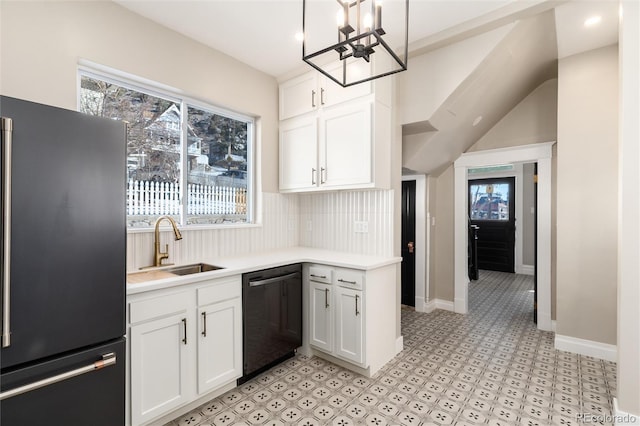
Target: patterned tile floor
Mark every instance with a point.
(491, 366)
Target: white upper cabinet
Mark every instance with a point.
(299, 152)
(312, 91)
(334, 138)
(299, 95)
(345, 145)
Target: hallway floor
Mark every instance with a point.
(489, 367)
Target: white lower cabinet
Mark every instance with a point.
(321, 324)
(219, 344)
(349, 324)
(159, 368)
(336, 318)
(183, 345)
(351, 315)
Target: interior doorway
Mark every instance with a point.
(541, 154)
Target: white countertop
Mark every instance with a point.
(234, 265)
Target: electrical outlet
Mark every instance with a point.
(361, 227)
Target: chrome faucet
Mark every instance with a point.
(158, 255)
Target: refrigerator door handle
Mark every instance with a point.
(106, 361)
(7, 132)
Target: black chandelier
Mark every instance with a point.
(365, 49)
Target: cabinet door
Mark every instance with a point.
(331, 93)
(321, 316)
(219, 344)
(299, 154)
(345, 144)
(160, 379)
(299, 95)
(349, 323)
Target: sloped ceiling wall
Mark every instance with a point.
(517, 59)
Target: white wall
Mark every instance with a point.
(587, 197)
(628, 392)
(433, 76)
(533, 120)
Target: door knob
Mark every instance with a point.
(410, 246)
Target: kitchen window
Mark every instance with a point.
(185, 159)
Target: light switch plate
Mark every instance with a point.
(361, 227)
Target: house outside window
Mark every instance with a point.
(185, 159)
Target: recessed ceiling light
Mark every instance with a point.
(594, 20)
(477, 120)
(299, 36)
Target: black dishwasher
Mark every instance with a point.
(272, 317)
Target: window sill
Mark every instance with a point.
(189, 228)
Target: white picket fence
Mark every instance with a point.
(163, 198)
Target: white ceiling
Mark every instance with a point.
(261, 33)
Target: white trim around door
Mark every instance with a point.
(540, 153)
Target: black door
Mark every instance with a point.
(535, 243)
(492, 209)
(408, 243)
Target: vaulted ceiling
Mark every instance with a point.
(528, 38)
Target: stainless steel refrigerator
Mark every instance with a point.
(63, 267)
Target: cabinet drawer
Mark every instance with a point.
(157, 307)
(350, 278)
(320, 274)
(219, 290)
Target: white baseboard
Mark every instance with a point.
(432, 305)
(587, 347)
(525, 269)
(421, 306)
(444, 304)
(399, 344)
(622, 418)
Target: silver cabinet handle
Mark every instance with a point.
(106, 361)
(324, 277)
(347, 282)
(313, 98)
(204, 324)
(7, 140)
(184, 323)
(273, 280)
(313, 176)
(326, 298)
(321, 96)
(357, 311)
(323, 175)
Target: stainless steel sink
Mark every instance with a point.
(168, 272)
(195, 268)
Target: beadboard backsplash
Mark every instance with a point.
(331, 221)
(279, 229)
(320, 220)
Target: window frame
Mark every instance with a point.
(185, 101)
